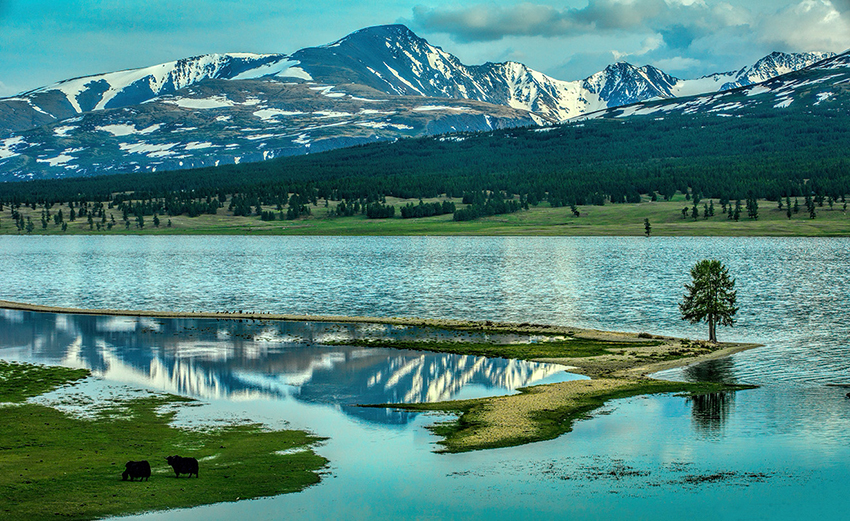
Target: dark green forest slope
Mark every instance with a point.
(788, 137)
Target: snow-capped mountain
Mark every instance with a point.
(378, 83)
(390, 59)
(771, 66)
(120, 89)
(824, 85)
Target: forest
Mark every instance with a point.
(768, 155)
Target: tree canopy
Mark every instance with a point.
(711, 297)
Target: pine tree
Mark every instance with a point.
(647, 228)
(710, 298)
(752, 208)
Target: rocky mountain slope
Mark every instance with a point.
(379, 83)
(825, 85)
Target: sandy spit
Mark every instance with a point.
(403, 321)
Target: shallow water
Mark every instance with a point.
(236, 360)
(777, 452)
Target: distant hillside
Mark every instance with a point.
(377, 84)
(787, 137)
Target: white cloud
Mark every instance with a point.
(486, 22)
(677, 64)
(807, 26)
(689, 37)
(648, 45)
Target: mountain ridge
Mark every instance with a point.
(378, 83)
(506, 83)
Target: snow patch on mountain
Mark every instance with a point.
(63, 130)
(283, 68)
(214, 102)
(149, 149)
(118, 130)
(383, 125)
(8, 146)
(269, 114)
(427, 108)
(824, 96)
(194, 145)
(60, 160)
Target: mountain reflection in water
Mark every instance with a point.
(256, 359)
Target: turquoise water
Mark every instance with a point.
(778, 452)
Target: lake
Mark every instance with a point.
(781, 451)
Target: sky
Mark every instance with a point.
(45, 41)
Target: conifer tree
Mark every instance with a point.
(710, 298)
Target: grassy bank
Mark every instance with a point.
(541, 412)
(589, 352)
(610, 220)
(54, 464)
(618, 364)
(571, 347)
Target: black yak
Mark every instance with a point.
(183, 465)
(136, 469)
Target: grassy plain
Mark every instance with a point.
(610, 220)
(55, 465)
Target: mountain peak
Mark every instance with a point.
(380, 82)
(390, 33)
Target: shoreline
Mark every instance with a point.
(610, 220)
(578, 365)
(618, 364)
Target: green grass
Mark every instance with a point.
(610, 220)
(21, 381)
(550, 423)
(573, 348)
(54, 465)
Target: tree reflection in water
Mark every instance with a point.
(710, 412)
(720, 371)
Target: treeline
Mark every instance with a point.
(771, 155)
(483, 204)
(410, 211)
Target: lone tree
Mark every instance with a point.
(711, 297)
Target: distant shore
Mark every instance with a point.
(611, 220)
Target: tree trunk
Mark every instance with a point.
(712, 335)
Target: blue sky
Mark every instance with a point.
(44, 41)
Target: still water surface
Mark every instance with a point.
(778, 452)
